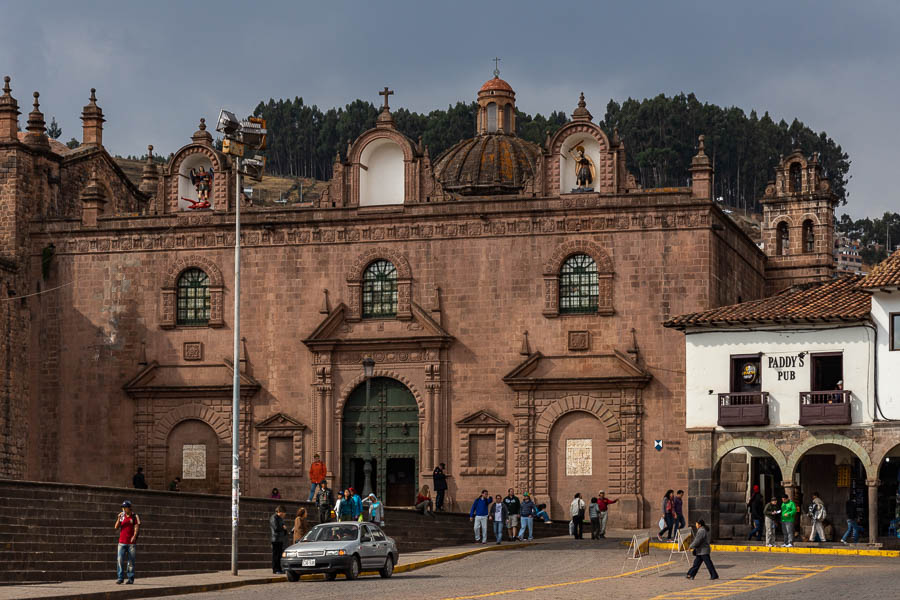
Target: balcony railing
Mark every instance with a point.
(743, 409)
(829, 407)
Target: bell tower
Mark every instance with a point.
(798, 224)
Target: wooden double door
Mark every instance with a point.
(380, 441)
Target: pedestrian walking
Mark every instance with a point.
(128, 525)
(498, 515)
(279, 535)
(324, 501)
(423, 501)
(173, 485)
(700, 548)
(817, 514)
(527, 512)
(479, 514)
(576, 511)
(788, 514)
(772, 514)
(668, 508)
(317, 473)
(853, 528)
(440, 486)
(139, 481)
(603, 506)
(678, 505)
(755, 507)
(512, 507)
(376, 510)
(301, 524)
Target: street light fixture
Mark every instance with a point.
(368, 365)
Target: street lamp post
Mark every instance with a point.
(368, 371)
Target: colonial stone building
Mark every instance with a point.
(511, 295)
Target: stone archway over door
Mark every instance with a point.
(577, 460)
(383, 432)
(192, 453)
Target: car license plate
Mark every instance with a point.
(308, 562)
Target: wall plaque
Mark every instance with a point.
(579, 457)
(193, 461)
(579, 340)
(193, 351)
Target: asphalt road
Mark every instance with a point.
(570, 569)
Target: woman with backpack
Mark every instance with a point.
(668, 508)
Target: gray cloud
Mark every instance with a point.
(158, 67)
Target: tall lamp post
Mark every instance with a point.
(368, 365)
(238, 136)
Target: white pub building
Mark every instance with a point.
(798, 393)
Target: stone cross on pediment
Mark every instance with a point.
(386, 92)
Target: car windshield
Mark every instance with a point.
(332, 533)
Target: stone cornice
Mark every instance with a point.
(215, 230)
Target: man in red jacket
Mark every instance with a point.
(603, 504)
(317, 473)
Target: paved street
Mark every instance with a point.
(569, 569)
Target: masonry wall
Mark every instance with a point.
(490, 271)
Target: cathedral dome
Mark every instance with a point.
(493, 163)
(495, 84)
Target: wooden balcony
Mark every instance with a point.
(744, 409)
(830, 407)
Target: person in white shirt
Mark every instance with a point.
(576, 510)
(498, 514)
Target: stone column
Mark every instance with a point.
(428, 455)
(872, 485)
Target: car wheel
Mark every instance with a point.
(388, 569)
(330, 576)
(292, 575)
(353, 571)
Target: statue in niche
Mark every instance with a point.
(584, 168)
(202, 180)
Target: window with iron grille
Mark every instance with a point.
(379, 290)
(192, 301)
(579, 288)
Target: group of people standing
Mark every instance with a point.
(506, 515)
(597, 512)
(786, 513)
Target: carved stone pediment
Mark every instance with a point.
(280, 421)
(482, 418)
(577, 372)
(337, 330)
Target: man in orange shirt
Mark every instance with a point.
(317, 473)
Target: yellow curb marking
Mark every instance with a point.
(558, 585)
(757, 581)
(796, 550)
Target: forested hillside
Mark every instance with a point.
(660, 135)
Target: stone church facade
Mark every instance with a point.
(513, 311)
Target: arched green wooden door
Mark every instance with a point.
(383, 432)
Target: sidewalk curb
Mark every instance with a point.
(176, 590)
(794, 550)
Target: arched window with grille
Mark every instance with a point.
(809, 240)
(192, 298)
(379, 290)
(579, 286)
(782, 239)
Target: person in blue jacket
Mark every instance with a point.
(479, 514)
(356, 510)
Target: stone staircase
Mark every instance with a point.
(735, 472)
(58, 532)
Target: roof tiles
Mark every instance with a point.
(885, 274)
(839, 299)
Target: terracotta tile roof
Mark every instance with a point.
(839, 299)
(885, 274)
(495, 84)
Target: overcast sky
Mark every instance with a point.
(160, 66)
